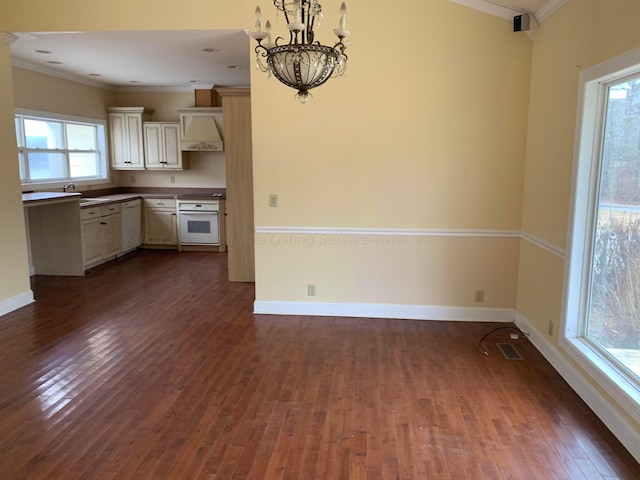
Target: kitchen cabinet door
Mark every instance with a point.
(174, 157)
(160, 226)
(162, 147)
(111, 232)
(126, 138)
(91, 241)
(153, 151)
(131, 216)
(101, 234)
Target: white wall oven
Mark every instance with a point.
(199, 222)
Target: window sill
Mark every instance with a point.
(605, 374)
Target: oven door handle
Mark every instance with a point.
(192, 212)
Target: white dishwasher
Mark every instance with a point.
(131, 221)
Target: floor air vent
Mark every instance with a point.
(509, 351)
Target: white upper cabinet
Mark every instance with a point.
(125, 136)
(162, 147)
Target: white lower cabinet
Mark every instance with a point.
(101, 234)
(160, 222)
(131, 225)
(91, 248)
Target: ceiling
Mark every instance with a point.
(530, 6)
(138, 59)
(132, 60)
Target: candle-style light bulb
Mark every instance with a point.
(268, 29)
(343, 16)
(258, 19)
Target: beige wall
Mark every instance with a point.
(580, 35)
(426, 130)
(37, 91)
(560, 53)
(433, 143)
(388, 269)
(165, 104)
(14, 276)
(435, 138)
(206, 170)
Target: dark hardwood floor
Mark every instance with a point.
(154, 367)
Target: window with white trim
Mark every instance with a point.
(602, 309)
(56, 149)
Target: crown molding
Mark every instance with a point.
(540, 16)
(157, 89)
(184, 89)
(489, 8)
(85, 81)
(549, 9)
(8, 38)
(54, 73)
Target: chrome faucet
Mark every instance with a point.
(71, 185)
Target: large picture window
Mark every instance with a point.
(602, 311)
(55, 149)
(613, 317)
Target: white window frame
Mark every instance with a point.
(104, 172)
(606, 371)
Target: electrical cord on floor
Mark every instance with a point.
(513, 327)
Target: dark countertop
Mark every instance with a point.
(199, 197)
(124, 194)
(35, 198)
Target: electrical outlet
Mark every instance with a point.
(478, 296)
(550, 328)
(273, 200)
(311, 290)
(132, 179)
(173, 179)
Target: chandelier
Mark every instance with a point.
(303, 63)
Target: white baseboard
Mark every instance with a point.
(382, 310)
(10, 304)
(623, 431)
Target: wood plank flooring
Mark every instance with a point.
(154, 367)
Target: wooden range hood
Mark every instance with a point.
(201, 126)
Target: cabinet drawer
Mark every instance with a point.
(110, 209)
(159, 203)
(88, 213)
